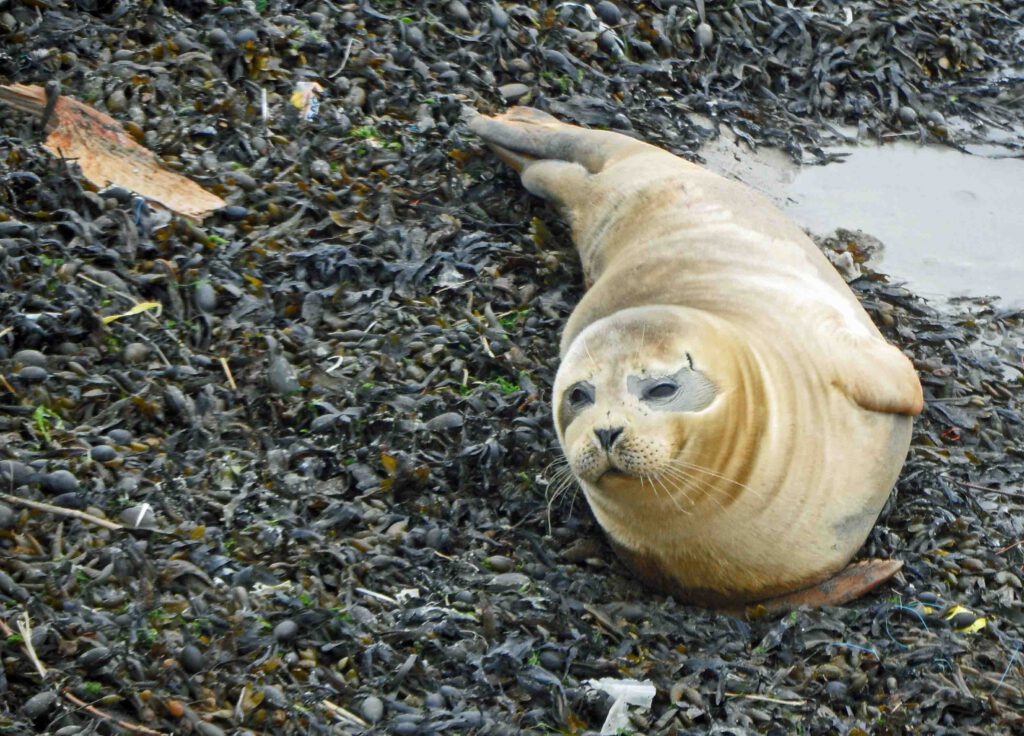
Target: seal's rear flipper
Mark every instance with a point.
(535, 134)
(858, 579)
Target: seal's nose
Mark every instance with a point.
(606, 437)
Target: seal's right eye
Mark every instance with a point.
(580, 395)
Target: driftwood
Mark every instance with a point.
(106, 154)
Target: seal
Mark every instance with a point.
(735, 419)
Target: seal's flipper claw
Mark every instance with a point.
(858, 579)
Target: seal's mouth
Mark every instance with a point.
(614, 472)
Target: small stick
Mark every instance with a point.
(59, 511)
(94, 711)
(986, 489)
(344, 714)
(766, 699)
(25, 629)
(9, 387)
(26, 645)
(227, 372)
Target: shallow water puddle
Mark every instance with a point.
(952, 223)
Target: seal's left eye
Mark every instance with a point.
(579, 396)
(661, 390)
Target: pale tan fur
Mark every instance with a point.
(777, 483)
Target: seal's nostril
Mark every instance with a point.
(607, 436)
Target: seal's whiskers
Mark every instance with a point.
(683, 465)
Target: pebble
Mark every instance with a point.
(8, 517)
(29, 357)
(907, 115)
(140, 516)
(14, 474)
(69, 500)
(103, 453)
(136, 352)
(192, 659)
(608, 12)
(95, 658)
(286, 630)
(205, 297)
(39, 704)
(32, 374)
(120, 436)
(372, 709)
(836, 690)
(59, 481)
(434, 701)
(705, 37)
(551, 659)
(234, 212)
(509, 580)
(513, 91)
(500, 563)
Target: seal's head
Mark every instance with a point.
(648, 395)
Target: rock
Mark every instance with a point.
(59, 481)
(14, 474)
(286, 631)
(514, 91)
(103, 453)
(372, 709)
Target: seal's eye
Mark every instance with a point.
(581, 395)
(661, 390)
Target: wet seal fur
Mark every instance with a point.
(733, 416)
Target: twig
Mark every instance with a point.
(59, 511)
(227, 372)
(345, 715)
(25, 629)
(8, 386)
(26, 645)
(986, 489)
(94, 711)
(766, 699)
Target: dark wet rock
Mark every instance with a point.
(138, 517)
(192, 659)
(32, 374)
(8, 517)
(59, 481)
(608, 12)
(29, 357)
(286, 631)
(509, 580)
(514, 91)
(103, 453)
(69, 500)
(500, 563)
(95, 658)
(14, 474)
(39, 704)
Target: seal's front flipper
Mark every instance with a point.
(858, 579)
(879, 377)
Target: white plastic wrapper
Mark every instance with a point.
(625, 694)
